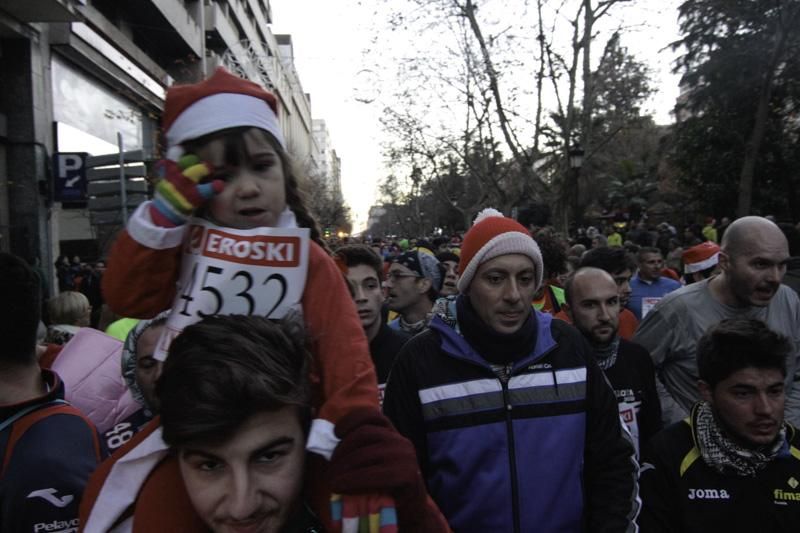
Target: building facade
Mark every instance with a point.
(87, 76)
(329, 167)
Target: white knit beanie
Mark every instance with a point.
(493, 235)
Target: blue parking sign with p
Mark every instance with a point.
(70, 176)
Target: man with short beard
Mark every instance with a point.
(620, 265)
(752, 261)
(593, 307)
(733, 464)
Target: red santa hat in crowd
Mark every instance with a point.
(700, 257)
(493, 235)
(222, 101)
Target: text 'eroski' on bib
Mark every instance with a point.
(226, 271)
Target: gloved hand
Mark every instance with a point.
(179, 191)
(373, 458)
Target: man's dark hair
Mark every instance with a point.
(647, 250)
(447, 256)
(554, 254)
(737, 343)
(225, 369)
(438, 241)
(21, 310)
(612, 259)
(360, 254)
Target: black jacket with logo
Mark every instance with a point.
(680, 492)
(49, 450)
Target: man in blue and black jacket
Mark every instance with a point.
(49, 448)
(514, 425)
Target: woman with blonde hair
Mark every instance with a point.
(68, 312)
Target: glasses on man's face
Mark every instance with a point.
(395, 276)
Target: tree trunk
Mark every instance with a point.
(587, 104)
(754, 140)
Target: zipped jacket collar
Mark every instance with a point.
(454, 344)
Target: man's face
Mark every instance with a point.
(594, 306)
(749, 404)
(623, 281)
(367, 294)
(502, 291)
(754, 273)
(450, 279)
(252, 481)
(650, 266)
(403, 287)
(148, 368)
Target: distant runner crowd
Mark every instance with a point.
(227, 369)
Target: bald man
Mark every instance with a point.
(752, 261)
(593, 306)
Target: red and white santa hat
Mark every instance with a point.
(700, 257)
(493, 235)
(222, 101)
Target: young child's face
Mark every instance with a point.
(255, 190)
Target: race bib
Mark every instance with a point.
(648, 303)
(627, 412)
(226, 271)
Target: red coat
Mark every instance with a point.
(140, 282)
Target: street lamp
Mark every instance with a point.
(575, 155)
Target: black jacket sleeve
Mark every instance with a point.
(610, 468)
(660, 506)
(401, 403)
(651, 404)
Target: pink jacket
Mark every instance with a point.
(90, 367)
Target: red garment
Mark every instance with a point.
(627, 323)
(140, 282)
(668, 272)
(164, 484)
(49, 356)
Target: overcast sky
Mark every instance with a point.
(330, 37)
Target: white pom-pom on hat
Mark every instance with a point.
(486, 213)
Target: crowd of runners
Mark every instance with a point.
(226, 369)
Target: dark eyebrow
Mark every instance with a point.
(280, 441)
(189, 453)
(267, 446)
(263, 154)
